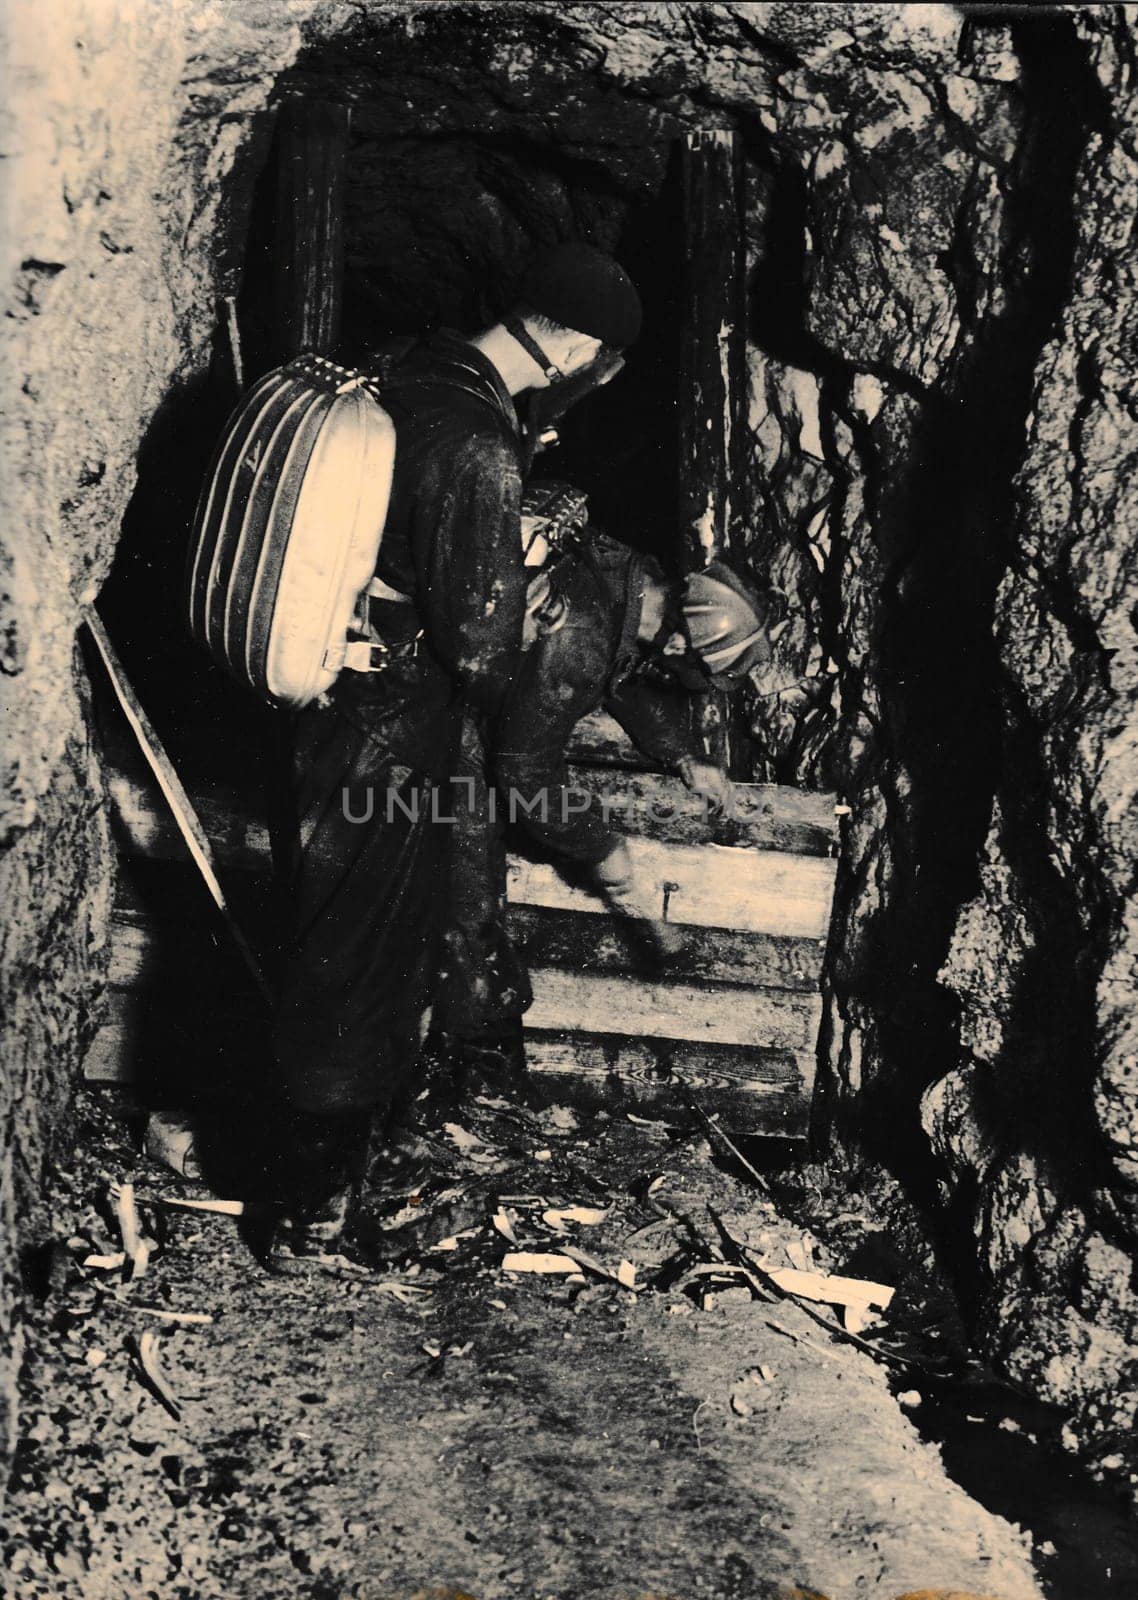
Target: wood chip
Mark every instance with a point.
(624, 1275)
(147, 1351)
(536, 1261)
(221, 1208)
(109, 1263)
(833, 1291)
(587, 1216)
(504, 1224)
(197, 1317)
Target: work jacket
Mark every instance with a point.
(451, 542)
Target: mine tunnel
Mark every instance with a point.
(885, 259)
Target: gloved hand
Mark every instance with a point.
(615, 877)
(708, 781)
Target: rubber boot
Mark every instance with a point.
(319, 1168)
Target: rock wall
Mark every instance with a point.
(938, 210)
(1037, 1123)
(123, 120)
(943, 421)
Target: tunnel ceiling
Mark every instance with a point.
(476, 137)
(471, 145)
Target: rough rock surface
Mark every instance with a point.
(913, 234)
(122, 125)
(1040, 1117)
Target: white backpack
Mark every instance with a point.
(288, 529)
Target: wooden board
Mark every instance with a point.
(147, 938)
(713, 955)
(752, 1091)
(708, 1014)
(308, 256)
(158, 1036)
(654, 806)
(756, 891)
(144, 827)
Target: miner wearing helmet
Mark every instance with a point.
(607, 628)
(446, 611)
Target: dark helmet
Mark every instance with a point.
(726, 622)
(581, 288)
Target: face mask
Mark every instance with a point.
(549, 405)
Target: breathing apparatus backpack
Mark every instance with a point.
(288, 528)
(290, 521)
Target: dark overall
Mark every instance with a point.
(374, 757)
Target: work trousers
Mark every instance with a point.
(371, 773)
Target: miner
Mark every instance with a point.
(608, 628)
(374, 757)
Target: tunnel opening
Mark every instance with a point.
(439, 217)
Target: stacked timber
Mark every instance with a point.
(734, 1017)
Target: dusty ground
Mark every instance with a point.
(496, 1436)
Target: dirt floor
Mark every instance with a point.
(453, 1429)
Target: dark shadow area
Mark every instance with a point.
(941, 673)
(1003, 1448)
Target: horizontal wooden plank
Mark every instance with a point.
(752, 1091)
(160, 1034)
(705, 886)
(706, 1014)
(760, 891)
(655, 806)
(189, 957)
(147, 945)
(551, 938)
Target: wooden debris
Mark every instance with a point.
(198, 1318)
(504, 1224)
(831, 1290)
(106, 1263)
(136, 1248)
(624, 1275)
(587, 1216)
(146, 1349)
(221, 1208)
(538, 1261)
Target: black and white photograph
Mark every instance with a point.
(569, 800)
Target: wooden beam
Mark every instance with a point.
(764, 815)
(747, 889)
(312, 152)
(549, 938)
(575, 1002)
(754, 891)
(145, 947)
(144, 827)
(710, 349)
(753, 1091)
(711, 375)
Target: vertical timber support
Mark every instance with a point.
(711, 368)
(311, 167)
